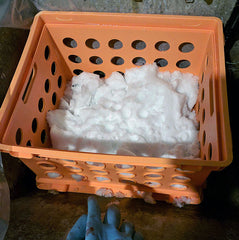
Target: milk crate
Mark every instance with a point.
(63, 44)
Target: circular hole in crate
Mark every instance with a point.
(203, 138)
(100, 73)
(181, 178)
(92, 43)
(46, 165)
(41, 105)
(54, 98)
(138, 61)
(186, 47)
(18, 136)
(95, 164)
(162, 46)
(138, 44)
(59, 81)
(127, 181)
(74, 58)
(117, 60)
(124, 167)
(178, 186)
(115, 44)
(152, 184)
(47, 52)
(161, 62)
(210, 151)
(153, 176)
(155, 169)
(77, 71)
(73, 168)
(100, 172)
(78, 177)
(103, 179)
(183, 63)
(70, 42)
(54, 175)
(34, 125)
(53, 68)
(43, 136)
(47, 85)
(126, 175)
(96, 60)
(29, 143)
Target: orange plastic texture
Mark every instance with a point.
(62, 44)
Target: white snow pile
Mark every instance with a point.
(143, 113)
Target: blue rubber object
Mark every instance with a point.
(90, 227)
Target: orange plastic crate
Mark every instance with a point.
(62, 44)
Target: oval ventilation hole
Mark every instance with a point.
(34, 125)
(127, 181)
(54, 98)
(177, 186)
(54, 175)
(204, 138)
(95, 164)
(117, 60)
(210, 151)
(74, 58)
(161, 62)
(202, 95)
(29, 143)
(53, 68)
(124, 167)
(99, 172)
(155, 169)
(77, 71)
(96, 60)
(203, 115)
(183, 64)
(152, 184)
(68, 161)
(100, 73)
(70, 42)
(78, 177)
(153, 176)
(47, 86)
(126, 175)
(41, 105)
(59, 81)
(139, 61)
(103, 179)
(47, 52)
(92, 43)
(46, 166)
(202, 78)
(18, 136)
(181, 178)
(180, 170)
(162, 46)
(186, 47)
(115, 44)
(43, 136)
(73, 169)
(138, 45)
